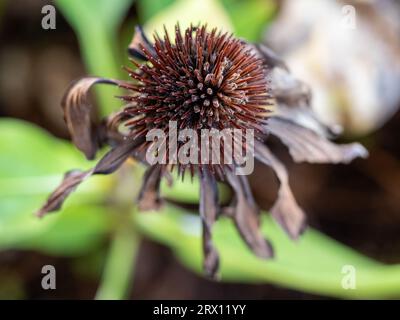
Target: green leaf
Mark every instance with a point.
(314, 264)
(96, 24)
(250, 17)
(74, 230)
(188, 190)
(31, 166)
(189, 11)
(82, 13)
(246, 18)
(148, 8)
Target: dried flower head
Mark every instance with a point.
(205, 80)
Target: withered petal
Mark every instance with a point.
(108, 130)
(77, 109)
(304, 116)
(208, 211)
(246, 217)
(70, 182)
(271, 59)
(114, 158)
(285, 210)
(138, 41)
(288, 90)
(292, 95)
(108, 164)
(149, 195)
(306, 145)
(285, 88)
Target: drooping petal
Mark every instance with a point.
(208, 211)
(108, 130)
(138, 42)
(70, 182)
(111, 161)
(292, 96)
(149, 196)
(246, 216)
(285, 88)
(285, 210)
(114, 158)
(306, 145)
(306, 117)
(77, 110)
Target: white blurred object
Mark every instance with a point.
(350, 59)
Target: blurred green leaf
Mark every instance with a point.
(188, 190)
(33, 161)
(314, 264)
(247, 18)
(148, 8)
(83, 13)
(189, 11)
(120, 264)
(96, 24)
(74, 230)
(250, 17)
(185, 191)
(31, 166)
(30, 151)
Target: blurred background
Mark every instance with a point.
(347, 51)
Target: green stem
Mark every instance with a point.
(120, 263)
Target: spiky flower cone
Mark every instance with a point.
(203, 80)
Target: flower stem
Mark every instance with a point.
(120, 264)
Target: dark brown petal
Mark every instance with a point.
(139, 40)
(306, 145)
(71, 180)
(246, 216)
(149, 196)
(108, 164)
(208, 211)
(108, 130)
(77, 110)
(114, 158)
(285, 210)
